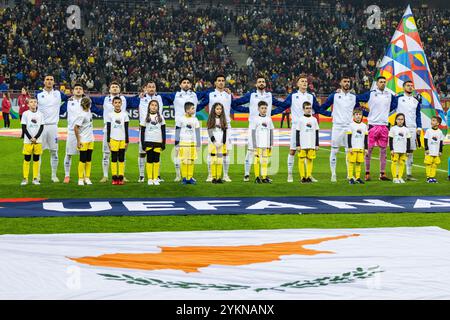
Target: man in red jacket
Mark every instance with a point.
(6, 108)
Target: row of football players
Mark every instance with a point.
(380, 102)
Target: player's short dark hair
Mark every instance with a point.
(48, 74)
(114, 82)
(260, 76)
(346, 77)
(78, 84)
(439, 119)
(306, 103)
(407, 81)
(150, 81)
(381, 77)
(116, 98)
(185, 78)
(262, 103)
(357, 110)
(219, 76)
(188, 105)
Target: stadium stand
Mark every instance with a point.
(132, 42)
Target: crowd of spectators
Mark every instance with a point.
(330, 42)
(133, 42)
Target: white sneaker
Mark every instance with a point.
(314, 180)
(36, 182)
(24, 182)
(333, 178)
(150, 182)
(226, 179)
(290, 178)
(401, 181)
(396, 180)
(104, 179)
(141, 179)
(156, 182)
(209, 179)
(81, 182)
(177, 179)
(55, 179)
(87, 181)
(160, 180)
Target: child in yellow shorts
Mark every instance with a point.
(187, 140)
(117, 137)
(307, 141)
(434, 141)
(357, 143)
(32, 126)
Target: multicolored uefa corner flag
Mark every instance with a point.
(405, 60)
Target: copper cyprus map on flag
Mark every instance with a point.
(384, 263)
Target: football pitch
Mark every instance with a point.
(12, 174)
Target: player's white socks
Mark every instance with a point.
(67, 165)
(409, 164)
(226, 165)
(141, 162)
(290, 163)
(208, 162)
(333, 160)
(54, 162)
(248, 161)
(106, 164)
(178, 167)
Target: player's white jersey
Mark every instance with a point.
(343, 105)
(255, 98)
(117, 120)
(434, 141)
(181, 97)
(400, 136)
(73, 111)
(379, 107)
(359, 132)
(297, 101)
(153, 131)
(225, 99)
(262, 131)
(307, 127)
(108, 106)
(33, 122)
(143, 106)
(49, 104)
(84, 121)
(408, 106)
(188, 126)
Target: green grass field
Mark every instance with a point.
(11, 173)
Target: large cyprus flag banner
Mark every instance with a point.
(404, 60)
(385, 263)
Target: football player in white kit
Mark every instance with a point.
(295, 101)
(144, 100)
(410, 106)
(106, 103)
(178, 100)
(49, 104)
(253, 98)
(343, 102)
(223, 96)
(73, 109)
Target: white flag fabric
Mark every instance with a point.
(382, 263)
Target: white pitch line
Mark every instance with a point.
(414, 165)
